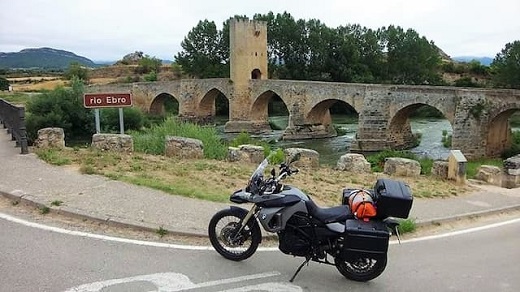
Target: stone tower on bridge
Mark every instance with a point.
(248, 61)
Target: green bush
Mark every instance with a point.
(152, 140)
(150, 77)
(241, 139)
(4, 83)
(63, 108)
(277, 156)
(465, 82)
(134, 119)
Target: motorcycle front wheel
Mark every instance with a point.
(362, 268)
(228, 241)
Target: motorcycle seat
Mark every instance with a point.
(329, 215)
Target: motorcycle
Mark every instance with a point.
(356, 244)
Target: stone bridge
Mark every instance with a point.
(479, 117)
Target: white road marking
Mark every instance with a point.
(194, 247)
(459, 232)
(170, 282)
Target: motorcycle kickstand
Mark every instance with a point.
(299, 268)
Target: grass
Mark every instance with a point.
(215, 180)
(407, 226)
(44, 210)
(17, 98)
(52, 156)
(56, 203)
(152, 140)
(473, 165)
(161, 232)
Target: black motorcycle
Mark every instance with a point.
(337, 236)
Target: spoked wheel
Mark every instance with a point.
(228, 241)
(362, 268)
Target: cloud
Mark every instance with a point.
(107, 30)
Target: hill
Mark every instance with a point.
(45, 58)
(486, 61)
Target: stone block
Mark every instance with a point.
(309, 158)
(246, 153)
(402, 167)
(512, 165)
(184, 148)
(113, 142)
(50, 138)
(490, 174)
(353, 162)
(440, 169)
(457, 166)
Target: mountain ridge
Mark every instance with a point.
(45, 57)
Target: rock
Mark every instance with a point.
(309, 158)
(440, 169)
(113, 142)
(512, 165)
(402, 167)
(50, 138)
(246, 153)
(184, 148)
(353, 162)
(490, 174)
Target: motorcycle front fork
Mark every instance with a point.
(249, 214)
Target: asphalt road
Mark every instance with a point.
(33, 259)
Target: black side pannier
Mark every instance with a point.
(365, 237)
(393, 198)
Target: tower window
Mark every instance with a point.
(256, 74)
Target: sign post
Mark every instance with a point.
(107, 100)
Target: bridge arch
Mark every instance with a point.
(399, 134)
(320, 113)
(499, 136)
(164, 103)
(260, 107)
(207, 106)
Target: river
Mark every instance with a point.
(331, 149)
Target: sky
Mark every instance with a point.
(106, 30)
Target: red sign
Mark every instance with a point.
(97, 100)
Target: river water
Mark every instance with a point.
(331, 149)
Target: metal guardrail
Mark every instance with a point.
(13, 118)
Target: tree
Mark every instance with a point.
(76, 70)
(506, 66)
(63, 108)
(204, 54)
(411, 59)
(147, 64)
(4, 83)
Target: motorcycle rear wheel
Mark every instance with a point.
(362, 268)
(223, 228)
